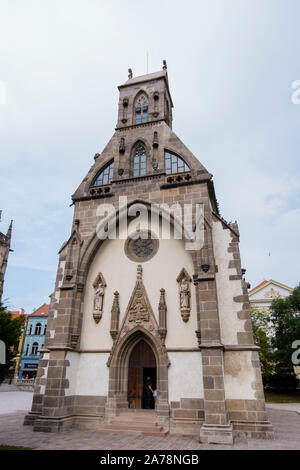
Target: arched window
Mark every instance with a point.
(45, 329)
(38, 329)
(139, 160)
(141, 110)
(34, 349)
(27, 349)
(105, 176)
(174, 164)
(30, 330)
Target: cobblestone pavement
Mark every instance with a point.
(12, 432)
(15, 401)
(285, 406)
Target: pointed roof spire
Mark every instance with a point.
(9, 230)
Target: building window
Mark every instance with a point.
(38, 329)
(34, 349)
(27, 350)
(30, 329)
(139, 160)
(45, 329)
(174, 164)
(141, 110)
(105, 176)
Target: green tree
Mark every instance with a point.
(285, 319)
(260, 324)
(10, 332)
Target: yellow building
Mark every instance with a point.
(19, 347)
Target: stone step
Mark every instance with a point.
(149, 431)
(135, 426)
(135, 422)
(135, 419)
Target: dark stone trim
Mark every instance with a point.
(89, 198)
(66, 287)
(226, 224)
(94, 351)
(182, 349)
(241, 347)
(206, 277)
(143, 124)
(184, 183)
(211, 346)
(133, 179)
(212, 195)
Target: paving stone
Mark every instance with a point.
(12, 432)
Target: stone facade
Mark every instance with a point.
(190, 306)
(5, 241)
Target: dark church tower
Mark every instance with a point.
(5, 241)
(127, 308)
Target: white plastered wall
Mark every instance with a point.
(120, 274)
(227, 289)
(87, 374)
(185, 375)
(239, 375)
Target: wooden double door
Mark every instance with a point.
(142, 364)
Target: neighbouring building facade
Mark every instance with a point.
(19, 346)
(129, 308)
(262, 295)
(5, 241)
(34, 340)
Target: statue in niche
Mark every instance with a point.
(99, 286)
(184, 294)
(98, 298)
(184, 289)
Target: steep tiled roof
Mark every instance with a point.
(16, 313)
(42, 311)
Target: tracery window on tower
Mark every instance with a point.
(174, 163)
(105, 176)
(139, 160)
(141, 110)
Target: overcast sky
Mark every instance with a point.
(231, 65)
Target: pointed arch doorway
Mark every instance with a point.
(142, 364)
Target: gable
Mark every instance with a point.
(269, 290)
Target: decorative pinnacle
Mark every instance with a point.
(129, 73)
(164, 65)
(139, 272)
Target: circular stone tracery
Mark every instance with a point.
(141, 249)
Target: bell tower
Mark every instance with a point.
(145, 99)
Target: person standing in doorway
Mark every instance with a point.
(148, 393)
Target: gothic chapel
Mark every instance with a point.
(132, 311)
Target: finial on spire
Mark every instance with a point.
(164, 65)
(129, 73)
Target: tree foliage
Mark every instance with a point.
(285, 320)
(260, 324)
(10, 332)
